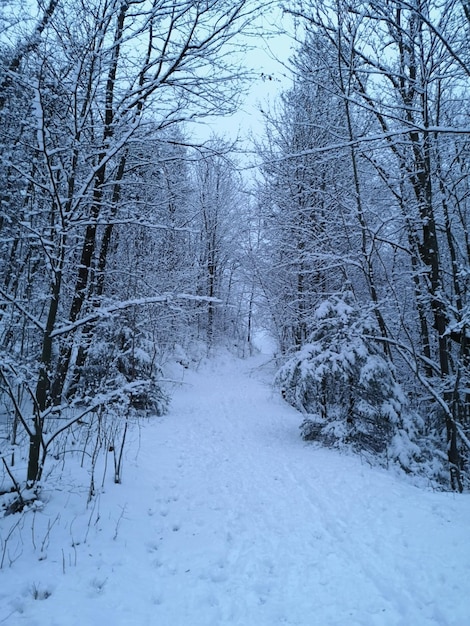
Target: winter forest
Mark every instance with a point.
(341, 231)
(150, 251)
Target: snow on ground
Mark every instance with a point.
(226, 517)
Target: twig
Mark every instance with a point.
(16, 485)
(123, 510)
(5, 542)
(49, 528)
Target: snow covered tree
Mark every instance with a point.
(402, 68)
(219, 219)
(303, 198)
(94, 78)
(341, 380)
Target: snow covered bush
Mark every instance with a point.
(121, 358)
(342, 381)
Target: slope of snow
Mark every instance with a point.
(226, 517)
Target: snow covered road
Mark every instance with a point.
(225, 517)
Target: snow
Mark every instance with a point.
(225, 516)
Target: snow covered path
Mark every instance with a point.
(226, 517)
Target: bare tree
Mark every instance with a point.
(220, 214)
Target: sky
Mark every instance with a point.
(268, 58)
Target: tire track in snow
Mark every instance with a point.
(327, 533)
(267, 539)
(364, 555)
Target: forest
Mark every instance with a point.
(127, 242)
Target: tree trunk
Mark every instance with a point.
(89, 242)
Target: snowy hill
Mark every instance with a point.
(226, 517)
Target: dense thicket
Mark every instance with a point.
(367, 167)
(113, 237)
(122, 243)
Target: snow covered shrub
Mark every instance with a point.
(120, 358)
(342, 381)
(416, 446)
